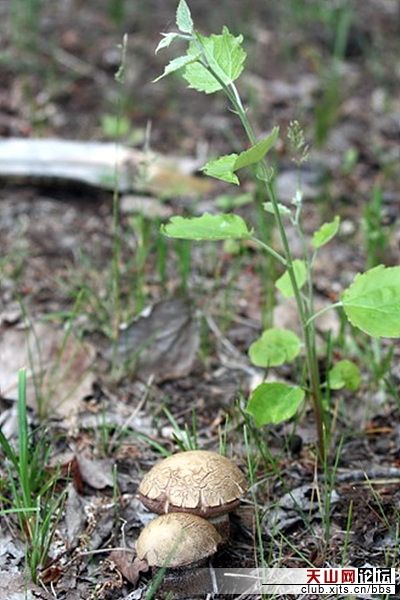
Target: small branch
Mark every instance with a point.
(270, 250)
(374, 473)
(322, 311)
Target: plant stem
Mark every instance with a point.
(23, 438)
(307, 327)
(116, 225)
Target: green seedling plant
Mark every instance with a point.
(371, 303)
(185, 438)
(31, 495)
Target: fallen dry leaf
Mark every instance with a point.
(96, 473)
(75, 517)
(14, 586)
(12, 551)
(58, 367)
(162, 342)
(128, 568)
(294, 504)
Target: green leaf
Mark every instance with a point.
(345, 374)
(184, 20)
(176, 64)
(257, 152)
(167, 40)
(284, 211)
(325, 233)
(275, 347)
(372, 302)
(274, 402)
(207, 227)
(223, 54)
(284, 284)
(222, 168)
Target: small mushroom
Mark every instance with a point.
(200, 482)
(180, 543)
(177, 540)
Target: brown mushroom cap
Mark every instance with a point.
(201, 482)
(176, 540)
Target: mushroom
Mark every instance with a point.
(200, 482)
(180, 543)
(177, 540)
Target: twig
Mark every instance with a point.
(359, 475)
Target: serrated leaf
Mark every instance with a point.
(224, 55)
(222, 168)
(284, 284)
(274, 403)
(372, 302)
(275, 347)
(283, 210)
(345, 374)
(257, 152)
(167, 40)
(225, 166)
(325, 233)
(184, 20)
(207, 227)
(176, 64)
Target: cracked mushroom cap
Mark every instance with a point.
(201, 482)
(177, 540)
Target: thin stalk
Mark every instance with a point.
(268, 267)
(347, 534)
(116, 247)
(116, 255)
(270, 250)
(23, 438)
(323, 311)
(308, 331)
